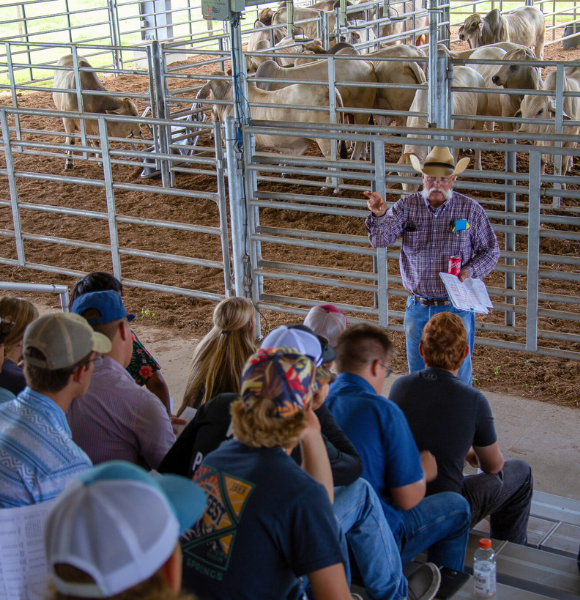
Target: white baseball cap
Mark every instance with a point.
(303, 339)
(118, 524)
(326, 320)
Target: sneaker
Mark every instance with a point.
(424, 582)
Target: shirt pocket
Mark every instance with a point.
(460, 245)
(415, 241)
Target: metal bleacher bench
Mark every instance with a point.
(545, 568)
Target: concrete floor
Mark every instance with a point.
(546, 436)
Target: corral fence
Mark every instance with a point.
(528, 209)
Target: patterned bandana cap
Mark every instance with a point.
(281, 374)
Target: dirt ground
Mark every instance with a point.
(549, 379)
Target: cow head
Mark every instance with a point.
(265, 16)
(119, 129)
(538, 107)
(523, 77)
(471, 27)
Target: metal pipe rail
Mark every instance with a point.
(110, 186)
(61, 290)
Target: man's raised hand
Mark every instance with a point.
(376, 203)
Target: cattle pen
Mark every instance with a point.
(197, 210)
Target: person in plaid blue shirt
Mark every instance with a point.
(434, 224)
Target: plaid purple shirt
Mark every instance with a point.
(428, 241)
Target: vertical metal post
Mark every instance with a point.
(12, 79)
(239, 71)
(222, 208)
(80, 101)
(115, 33)
(162, 130)
(383, 285)
(533, 251)
(290, 19)
(332, 108)
(255, 246)
(110, 193)
(25, 26)
(443, 106)
(432, 64)
(510, 238)
(68, 21)
(325, 32)
(12, 187)
(238, 214)
(558, 127)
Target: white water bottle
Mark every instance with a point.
(484, 570)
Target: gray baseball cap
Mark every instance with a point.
(64, 339)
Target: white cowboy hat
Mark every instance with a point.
(439, 163)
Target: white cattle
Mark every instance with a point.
(464, 103)
(465, 54)
(518, 77)
(497, 104)
(262, 33)
(102, 104)
(525, 25)
(544, 107)
(355, 71)
(298, 94)
(289, 45)
(254, 61)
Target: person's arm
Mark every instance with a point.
(314, 456)
(484, 246)
(383, 226)
(156, 385)
(490, 458)
(345, 462)
(408, 496)
(329, 583)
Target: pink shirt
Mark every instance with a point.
(118, 420)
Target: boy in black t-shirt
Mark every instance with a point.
(454, 422)
(268, 522)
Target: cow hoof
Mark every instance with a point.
(69, 166)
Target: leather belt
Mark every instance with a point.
(427, 302)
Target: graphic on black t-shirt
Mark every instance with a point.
(211, 540)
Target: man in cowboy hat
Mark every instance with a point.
(435, 224)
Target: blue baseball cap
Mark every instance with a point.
(119, 524)
(109, 303)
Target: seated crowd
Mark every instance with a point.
(295, 477)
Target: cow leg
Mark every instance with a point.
(69, 127)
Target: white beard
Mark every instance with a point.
(426, 193)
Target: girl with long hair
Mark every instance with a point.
(219, 358)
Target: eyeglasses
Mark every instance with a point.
(385, 367)
(443, 180)
(97, 360)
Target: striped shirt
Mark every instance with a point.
(37, 454)
(118, 420)
(428, 242)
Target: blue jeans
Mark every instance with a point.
(360, 515)
(439, 523)
(416, 317)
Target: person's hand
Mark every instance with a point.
(472, 459)
(319, 396)
(177, 421)
(463, 275)
(429, 465)
(376, 203)
(312, 424)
